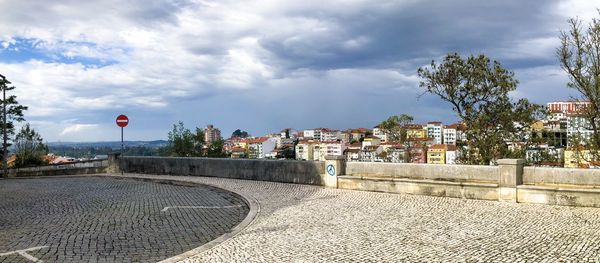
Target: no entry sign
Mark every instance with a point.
(122, 121)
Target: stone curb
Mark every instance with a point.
(252, 215)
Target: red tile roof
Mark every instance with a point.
(256, 140)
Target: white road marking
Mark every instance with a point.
(200, 207)
(23, 253)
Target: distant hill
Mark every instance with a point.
(92, 149)
(110, 144)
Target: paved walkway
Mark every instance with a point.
(102, 219)
(300, 223)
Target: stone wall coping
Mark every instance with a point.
(491, 167)
(423, 181)
(511, 162)
(217, 159)
(335, 157)
(561, 188)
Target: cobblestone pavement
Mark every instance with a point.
(300, 223)
(103, 219)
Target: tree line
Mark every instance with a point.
(186, 143)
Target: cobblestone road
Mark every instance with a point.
(103, 219)
(299, 223)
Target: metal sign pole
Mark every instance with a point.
(122, 121)
(121, 147)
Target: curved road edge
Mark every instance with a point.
(252, 215)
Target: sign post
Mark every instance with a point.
(122, 122)
(335, 166)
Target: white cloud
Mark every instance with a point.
(153, 55)
(77, 128)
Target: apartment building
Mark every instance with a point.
(211, 134)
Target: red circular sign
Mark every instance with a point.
(122, 121)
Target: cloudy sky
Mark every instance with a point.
(261, 65)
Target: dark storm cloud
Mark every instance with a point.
(423, 29)
(265, 65)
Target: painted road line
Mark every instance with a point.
(199, 207)
(23, 253)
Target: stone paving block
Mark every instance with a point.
(108, 219)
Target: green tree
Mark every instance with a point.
(14, 113)
(215, 149)
(395, 127)
(184, 143)
(198, 143)
(240, 134)
(579, 55)
(29, 147)
(478, 91)
(287, 153)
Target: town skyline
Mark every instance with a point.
(269, 65)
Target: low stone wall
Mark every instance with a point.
(481, 191)
(454, 173)
(84, 167)
(510, 181)
(300, 172)
(564, 176)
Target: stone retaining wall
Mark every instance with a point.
(510, 181)
(453, 173)
(83, 167)
(568, 176)
(300, 172)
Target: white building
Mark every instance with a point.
(330, 135)
(305, 150)
(276, 138)
(371, 154)
(331, 148)
(559, 109)
(378, 132)
(259, 147)
(449, 136)
(434, 130)
(352, 155)
(371, 141)
(451, 154)
(392, 152)
(312, 134)
(578, 125)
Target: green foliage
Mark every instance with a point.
(240, 134)
(14, 111)
(184, 143)
(478, 91)
(215, 149)
(29, 147)
(395, 127)
(287, 153)
(579, 55)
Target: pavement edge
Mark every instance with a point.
(252, 203)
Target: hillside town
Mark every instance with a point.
(432, 143)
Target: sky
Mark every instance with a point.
(262, 66)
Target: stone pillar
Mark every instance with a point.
(114, 164)
(335, 165)
(511, 176)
